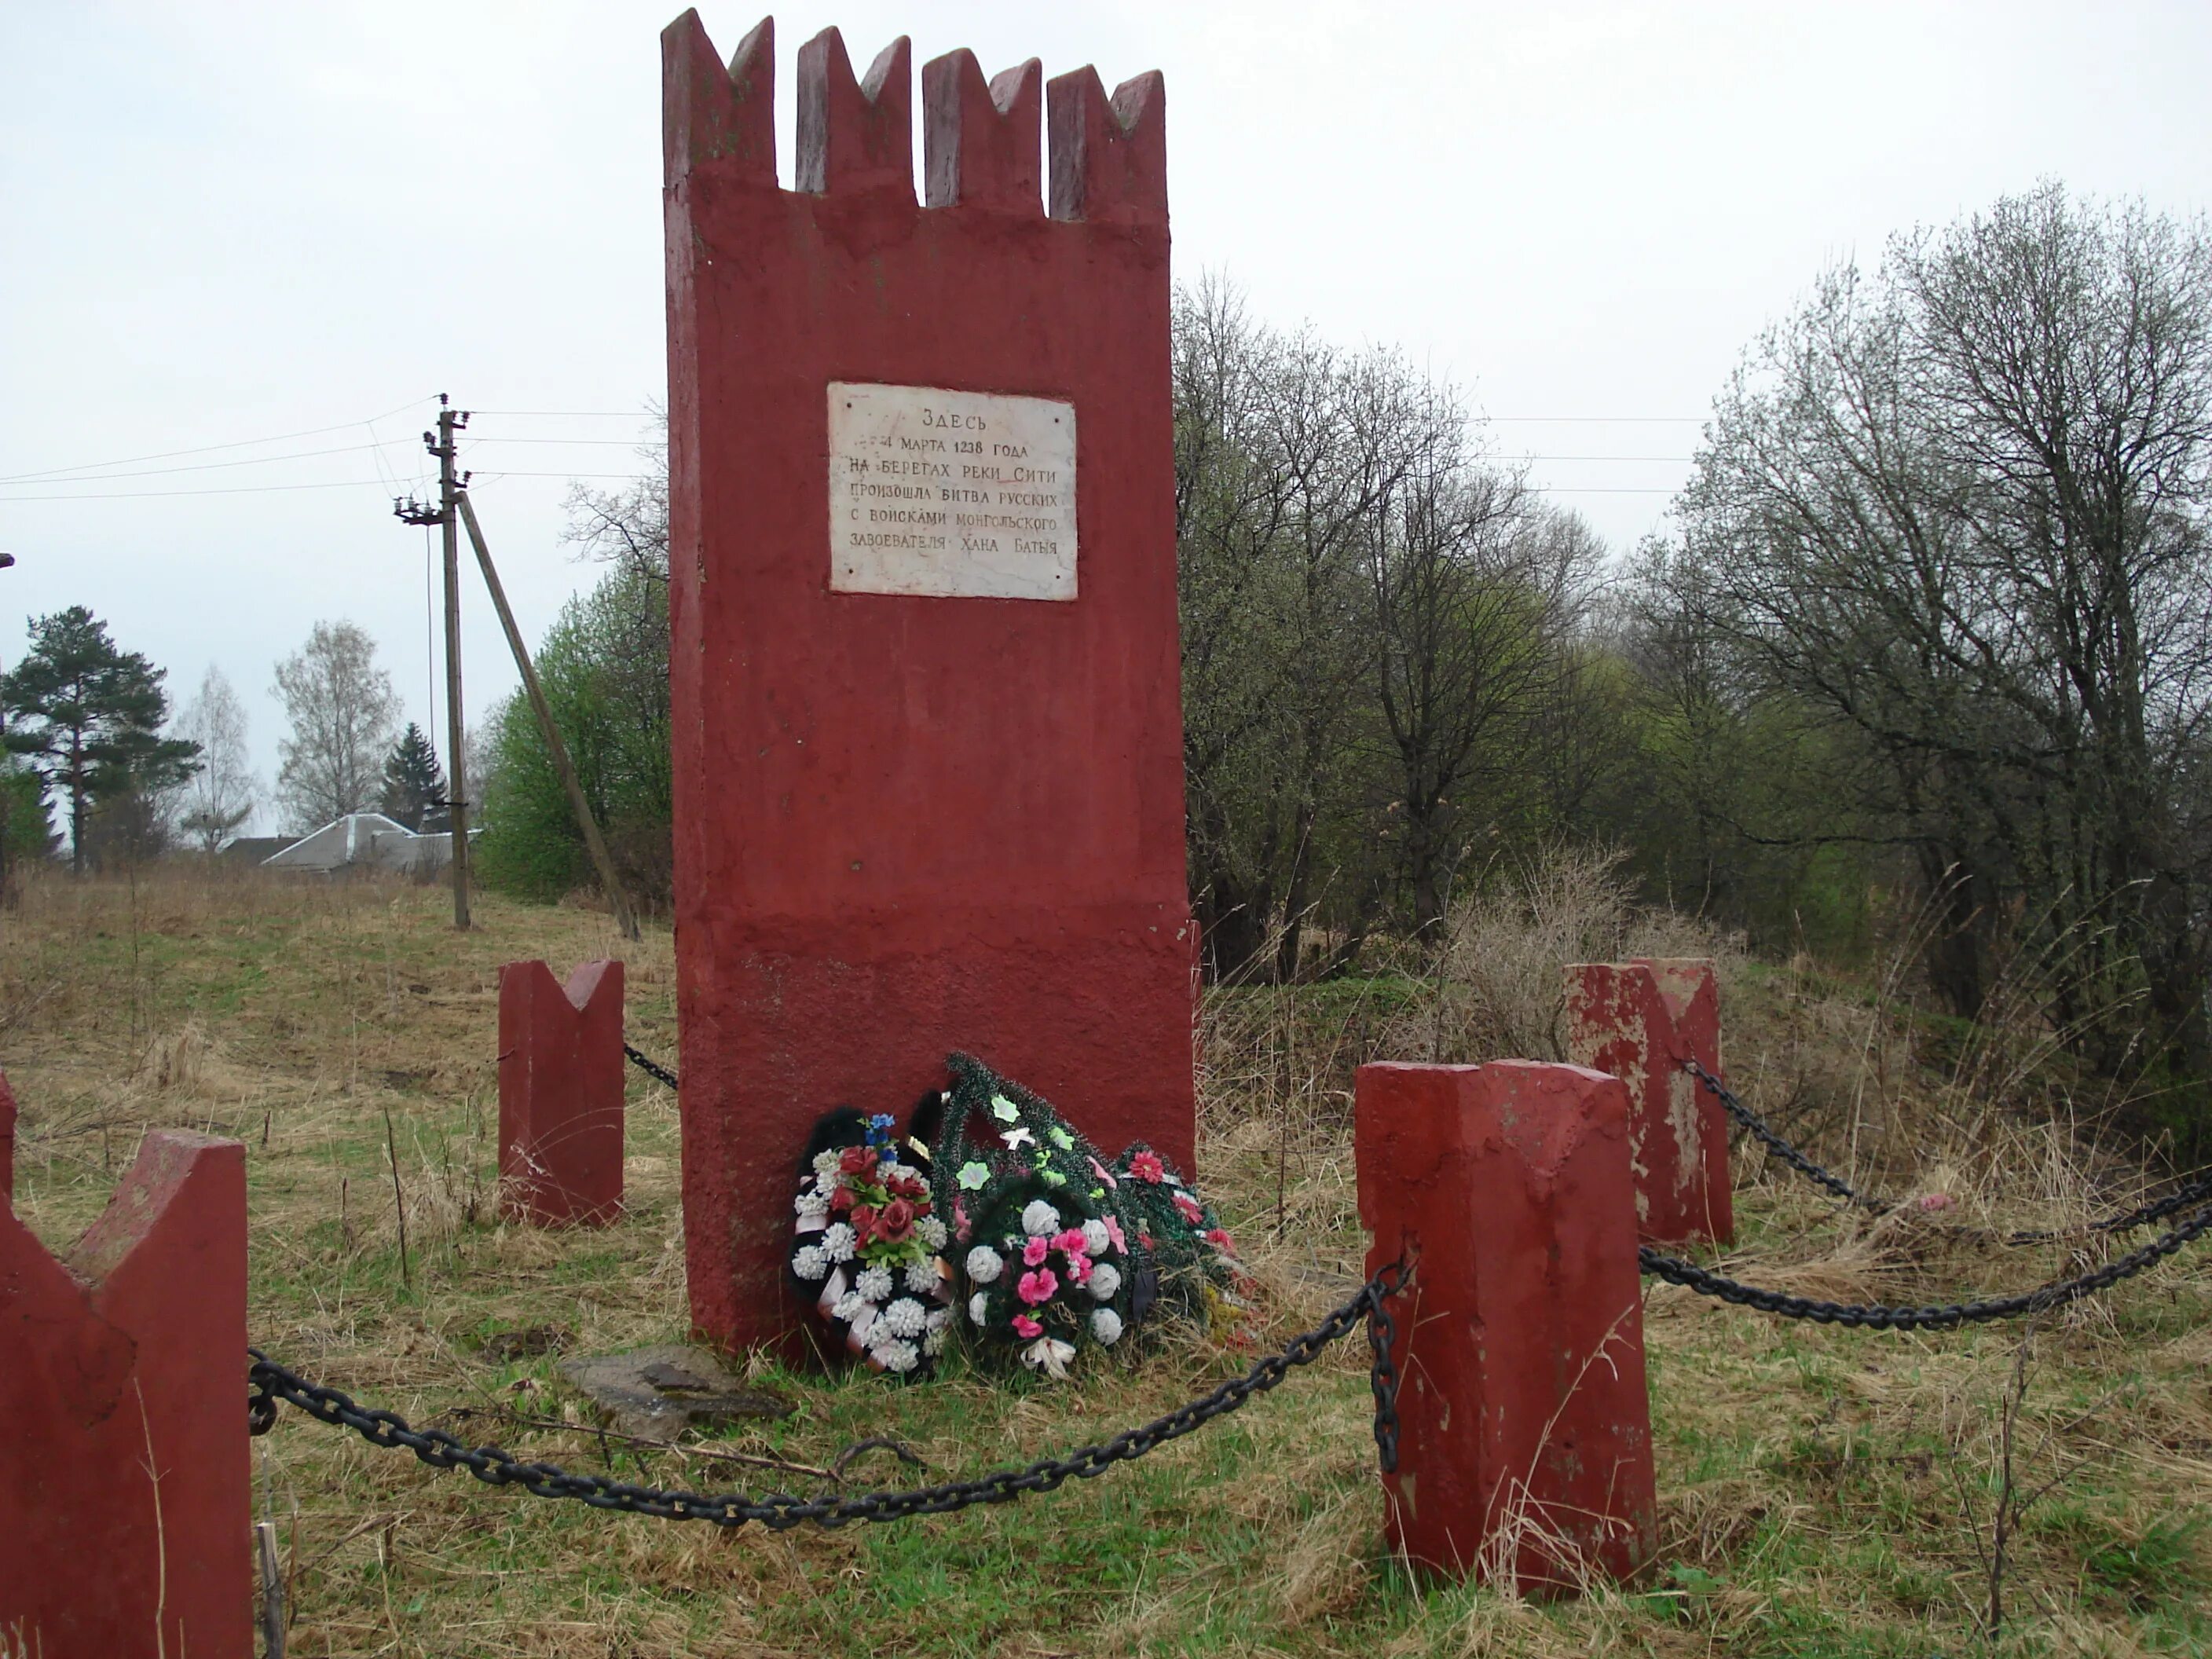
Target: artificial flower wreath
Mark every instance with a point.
(1046, 1267)
(868, 1245)
(1019, 1221)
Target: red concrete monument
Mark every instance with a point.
(925, 669)
(123, 1468)
(1524, 1442)
(560, 1094)
(1640, 1021)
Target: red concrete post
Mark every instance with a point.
(124, 1474)
(928, 771)
(7, 1139)
(1525, 1434)
(560, 1094)
(1640, 1020)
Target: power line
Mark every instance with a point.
(1597, 420)
(240, 489)
(206, 449)
(217, 466)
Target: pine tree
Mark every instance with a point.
(89, 718)
(414, 783)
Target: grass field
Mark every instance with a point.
(1822, 1493)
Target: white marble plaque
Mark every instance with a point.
(959, 494)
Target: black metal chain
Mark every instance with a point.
(2192, 1192)
(650, 1067)
(2195, 1191)
(1875, 1316)
(1765, 1134)
(779, 1511)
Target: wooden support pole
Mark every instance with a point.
(456, 725)
(603, 861)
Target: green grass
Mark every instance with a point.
(1822, 1491)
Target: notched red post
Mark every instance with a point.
(123, 1465)
(981, 143)
(1524, 1442)
(714, 115)
(7, 1140)
(855, 136)
(560, 1094)
(1109, 159)
(1641, 1021)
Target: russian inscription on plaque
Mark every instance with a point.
(957, 495)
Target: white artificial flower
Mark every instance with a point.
(984, 1266)
(1106, 1326)
(1040, 1220)
(899, 1357)
(837, 1241)
(874, 1283)
(932, 1232)
(938, 1318)
(934, 1343)
(826, 1165)
(904, 1317)
(921, 1276)
(1105, 1279)
(979, 1307)
(811, 1263)
(1096, 1238)
(846, 1307)
(811, 1202)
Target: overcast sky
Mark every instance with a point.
(285, 228)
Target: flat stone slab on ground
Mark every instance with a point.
(657, 1393)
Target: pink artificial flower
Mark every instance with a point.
(1220, 1240)
(1099, 1170)
(1146, 1166)
(1070, 1242)
(1078, 1267)
(1928, 1203)
(1114, 1233)
(1026, 1326)
(1034, 1251)
(1187, 1207)
(960, 1221)
(1037, 1287)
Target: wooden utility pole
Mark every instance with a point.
(441, 444)
(618, 901)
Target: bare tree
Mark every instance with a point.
(218, 799)
(1961, 508)
(343, 710)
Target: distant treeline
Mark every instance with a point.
(1924, 664)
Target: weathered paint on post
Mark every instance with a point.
(124, 1461)
(560, 1094)
(907, 822)
(1640, 1021)
(1525, 1434)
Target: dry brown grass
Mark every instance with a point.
(1822, 1491)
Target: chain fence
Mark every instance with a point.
(2196, 1190)
(1947, 1316)
(651, 1067)
(272, 1384)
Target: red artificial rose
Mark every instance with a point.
(895, 1225)
(864, 1221)
(857, 1160)
(841, 1199)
